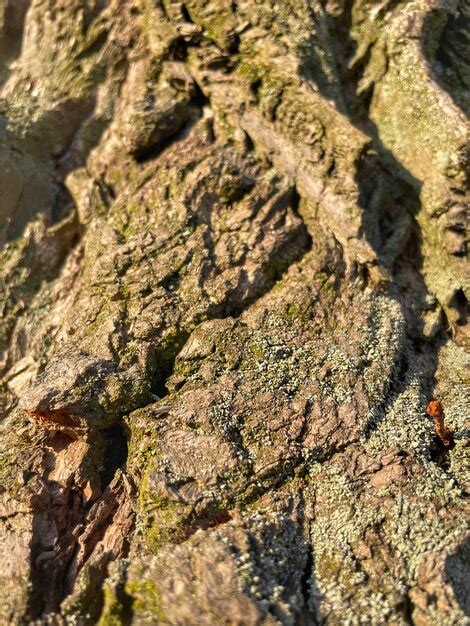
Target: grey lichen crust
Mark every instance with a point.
(234, 271)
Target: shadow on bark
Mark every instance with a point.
(457, 567)
(445, 44)
(390, 201)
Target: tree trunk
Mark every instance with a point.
(233, 260)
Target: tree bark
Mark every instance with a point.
(233, 260)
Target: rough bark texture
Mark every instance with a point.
(233, 274)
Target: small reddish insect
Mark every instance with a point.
(443, 433)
